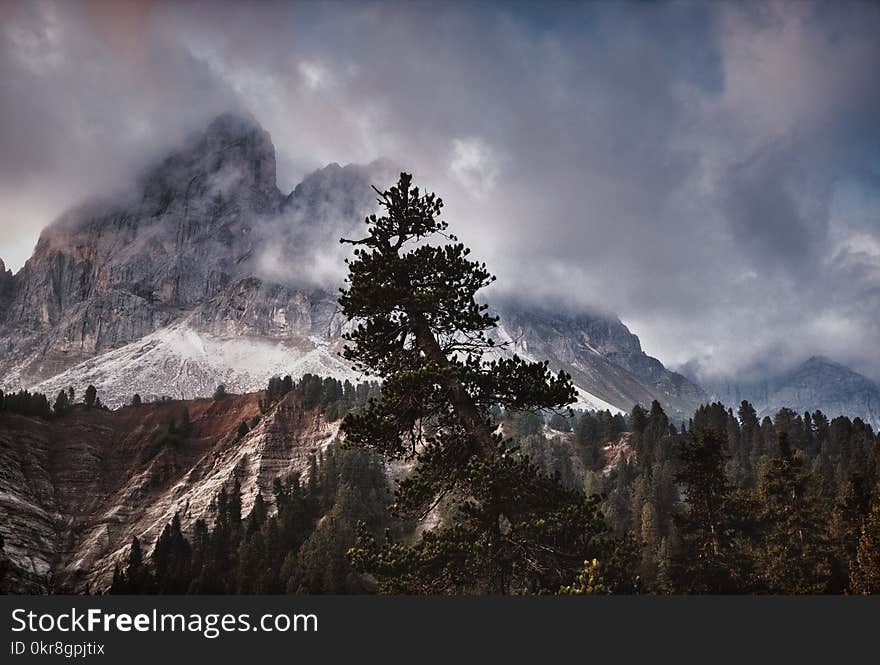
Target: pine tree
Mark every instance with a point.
(650, 536)
(710, 555)
(638, 419)
(793, 554)
(865, 572)
(91, 396)
(136, 400)
(185, 423)
(137, 578)
(259, 514)
(845, 529)
(62, 403)
(419, 328)
(560, 423)
(172, 559)
(589, 582)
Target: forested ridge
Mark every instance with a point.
(725, 503)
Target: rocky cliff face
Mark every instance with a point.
(6, 287)
(603, 357)
(209, 274)
(816, 384)
(192, 245)
(109, 273)
(76, 489)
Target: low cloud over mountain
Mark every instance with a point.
(707, 170)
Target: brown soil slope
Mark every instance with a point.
(74, 490)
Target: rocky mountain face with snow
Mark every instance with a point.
(818, 383)
(208, 273)
(168, 270)
(604, 358)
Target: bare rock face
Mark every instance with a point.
(6, 286)
(603, 357)
(191, 244)
(75, 490)
(251, 306)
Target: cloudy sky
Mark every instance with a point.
(708, 171)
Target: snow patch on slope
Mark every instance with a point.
(589, 402)
(182, 363)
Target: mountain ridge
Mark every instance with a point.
(816, 383)
(210, 248)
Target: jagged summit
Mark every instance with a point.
(6, 285)
(191, 249)
(233, 157)
(232, 125)
(342, 192)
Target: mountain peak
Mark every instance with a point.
(233, 126)
(233, 155)
(819, 364)
(817, 383)
(822, 361)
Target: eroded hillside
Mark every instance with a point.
(74, 490)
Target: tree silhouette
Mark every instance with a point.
(420, 328)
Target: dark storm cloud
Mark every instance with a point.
(709, 170)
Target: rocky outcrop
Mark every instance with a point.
(6, 286)
(74, 490)
(109, 273)
(251, 306)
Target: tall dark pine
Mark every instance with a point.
(793, 555)
(865, 573)
(420, 328)
(62, 404)
(710, 558)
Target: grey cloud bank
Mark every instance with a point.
(709, 171)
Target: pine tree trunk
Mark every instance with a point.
(463, 405)
(470, 419)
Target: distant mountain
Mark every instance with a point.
(603, 357)
(818, 383)
(211, 274)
